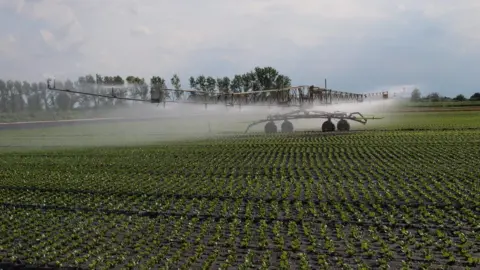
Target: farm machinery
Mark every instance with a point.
(327, 126)
(303, 97)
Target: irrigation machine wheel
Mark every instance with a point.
(343, 125)
(287, 126)
(270, 127)
(328, 126)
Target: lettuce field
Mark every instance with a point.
(402, 198)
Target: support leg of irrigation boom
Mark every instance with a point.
(327, 126)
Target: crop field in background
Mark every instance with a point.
(467, 103)
(403, 193)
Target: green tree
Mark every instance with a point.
(201, 83)
(248, 80)
(107, 88)
(90, 87)
(26, 89)
(223, 85)
(3, 97)
(157, 84)
(266, 77)
(139, 89)
(18, 96)
(62, 101)
(81, 85)
(236, 84)
(475, 97)
(283, 81)
(102, 88)
(28, 94)
(143, 88)
(72, 99)
(57, 100)
(35, 98)
(132, 86)
(120, 90)
(416, 95)
(175, 81)
(44, 94)
(434, 97)
(192, 82)
(11, 96)
(210, 85)
(460, 98)
(194, 86)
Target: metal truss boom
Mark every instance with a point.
(295, 96)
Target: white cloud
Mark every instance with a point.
(11, 39)
(58, 15)
(47, 36)
(140, 31)
(16, 5)
(8, 46)
(360, 44)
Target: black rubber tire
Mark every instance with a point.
(270, 127)
(343, 125)
(287, 126)
(328, 126)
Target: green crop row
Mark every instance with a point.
(363, 200)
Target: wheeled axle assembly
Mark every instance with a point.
(327, 126)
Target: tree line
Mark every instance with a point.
(436, 97)
(17, 96)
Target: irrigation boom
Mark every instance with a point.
(304, 97)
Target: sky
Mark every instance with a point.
(359, 46)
